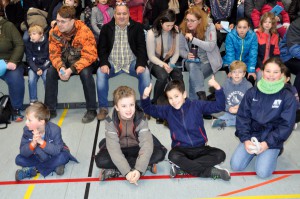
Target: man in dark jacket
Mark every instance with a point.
(121, 49)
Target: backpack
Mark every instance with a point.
(6, 111)
(35, 16)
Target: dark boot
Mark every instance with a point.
(202, 95)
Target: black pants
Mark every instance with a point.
(162, 78)
(103, 159)
(293, 64)
(197, 161)
(88, 83)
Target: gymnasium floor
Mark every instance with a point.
(82, 180)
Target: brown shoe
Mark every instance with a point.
(102, 114)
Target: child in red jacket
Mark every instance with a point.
(283, 20)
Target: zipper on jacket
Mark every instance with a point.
(186, 128)
(242, 50)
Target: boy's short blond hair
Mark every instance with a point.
(238, 65)
(35, 28)
(122, 92)
(40, 110)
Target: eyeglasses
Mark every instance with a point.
(62, 21)
(190, 20)
(122, 3)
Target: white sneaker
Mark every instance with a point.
(295, 126)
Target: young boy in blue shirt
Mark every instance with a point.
(190, 151)
(42, 148)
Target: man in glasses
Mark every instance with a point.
(72, 49)
(121, 49)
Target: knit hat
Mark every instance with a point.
(2, 67)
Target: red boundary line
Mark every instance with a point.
(156, 177)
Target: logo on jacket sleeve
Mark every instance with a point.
(276, 103)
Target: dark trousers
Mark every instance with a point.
(197, 161)
(46, 167)
(162, 78)
(88, 83)
(220, 38)
(103, 159)
(293, 64)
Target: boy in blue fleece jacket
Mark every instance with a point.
(42, 148)
(190, 151)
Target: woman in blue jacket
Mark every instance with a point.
(241, 44)
(264, 121)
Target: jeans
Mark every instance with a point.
(240, 11)
(32, 83)
(197, 74)
(103, 87)
(162, 78)
(197, 161)
(88, 83)
(16, 87)
(230, 119)
(265, 162)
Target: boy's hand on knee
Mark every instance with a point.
(214, 83)
(147, 91)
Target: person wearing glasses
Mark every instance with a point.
(72, 50)
(198, 45)
(121, 49)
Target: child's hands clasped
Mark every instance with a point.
(133, 176)
(212, 82)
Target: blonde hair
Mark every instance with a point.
(263, 18)
(201, 28)
(122, 92)
(238, 65)
(35, 28)
(40, 110)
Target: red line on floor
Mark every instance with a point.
(154, 177)
(255, 186)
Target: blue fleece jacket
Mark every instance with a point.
(186, 124)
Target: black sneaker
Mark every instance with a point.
(219, 173)
(25, 172)
(109, 173)
(89, 116)
(176, 170)
(53, 114)
(60, 170)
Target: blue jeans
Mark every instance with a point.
(103, 87)
(197, 74)
(240, 11)
(32, 83)
(230, 119)
(16, 87)
(265, 163)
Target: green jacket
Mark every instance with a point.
(11, 42)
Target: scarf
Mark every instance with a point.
(103, 9)
(68, 36)
(270, 87)
(221, 9)
(174, 5)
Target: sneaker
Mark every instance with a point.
(219, 173)
(102, 114)
(221, 124)
(25, 172)
(159, 121)
(17, 117)
(60, 170)
(109, 173)
(176, 170)
(32, 102)
(295, 126)
(207, 117)
(89, 116)
(53, 114)
(152, 168)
